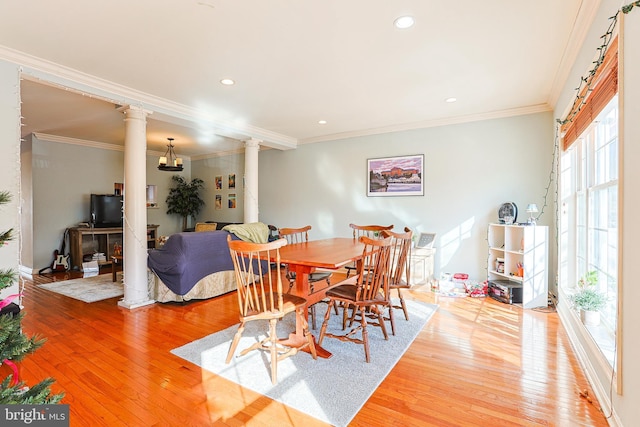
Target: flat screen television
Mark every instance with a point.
(106, 210)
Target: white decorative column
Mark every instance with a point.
(252, 146)
(136, 293)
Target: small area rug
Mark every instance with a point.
(88, 289)
(332, 390)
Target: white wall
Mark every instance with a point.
(470, 170)
(10, 174)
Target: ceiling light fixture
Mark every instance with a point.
(227, 82)
(170, 162)
(322, 122)
(404, 22)
(451, 100)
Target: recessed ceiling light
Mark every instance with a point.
(451, 100)
(322, 122)
(404, 22)
(227, 82)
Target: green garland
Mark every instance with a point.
(584, 88)
(626, 9)
(16, 345)
(586, 81)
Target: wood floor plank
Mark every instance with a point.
(478, 362)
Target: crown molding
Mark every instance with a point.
(76, 141)
(93, 144)
(533, 109)
(226, 153)
(47, 72)
(581, 25)
(217, 154)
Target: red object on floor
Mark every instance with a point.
(477, 289)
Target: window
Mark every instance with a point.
(588, 227)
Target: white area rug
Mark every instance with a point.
(89, 289)
(332, 390)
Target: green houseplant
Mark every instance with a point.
(184, 199)
(588, 299)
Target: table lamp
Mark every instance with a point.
(531, 209)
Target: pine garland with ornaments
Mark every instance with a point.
(15, 345)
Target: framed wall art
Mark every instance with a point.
(118, 188)
(218, 202)
(218, 180)
(232, 181)
(232, 201)
(396, 176)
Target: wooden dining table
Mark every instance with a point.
(304, 258)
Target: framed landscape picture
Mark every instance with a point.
(396, 176)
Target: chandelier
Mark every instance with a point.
(170, 162)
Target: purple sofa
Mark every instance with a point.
(192, 266)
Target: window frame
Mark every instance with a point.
(577, 246)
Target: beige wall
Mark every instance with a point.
(26, 218)
(627, 405)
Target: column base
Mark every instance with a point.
(132, 305)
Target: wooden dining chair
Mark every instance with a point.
(301, 235)
(370, 231)
(206, 226)
(366, 295)
(400, 271)
(260, 298)
(399, 274)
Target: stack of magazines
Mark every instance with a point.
(90, 268)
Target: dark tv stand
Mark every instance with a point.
(85, 240)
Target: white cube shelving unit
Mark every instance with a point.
(525, 245)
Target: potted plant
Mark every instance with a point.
(184, 199)
(588, 299)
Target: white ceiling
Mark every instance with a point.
(294, 63)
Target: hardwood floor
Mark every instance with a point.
(478, 362)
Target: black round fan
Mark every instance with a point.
(508, 209)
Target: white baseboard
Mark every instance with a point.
(134, 305)
(591, 365)
(26, 272)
